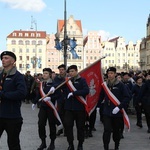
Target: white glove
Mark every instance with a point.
(52, 90)
(46, 99)
(115, 110)
(33, 106)
(70, 94)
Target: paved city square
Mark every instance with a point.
(136, 139)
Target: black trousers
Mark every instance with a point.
(92, 119)
(147, 114)
(112, 125)
(61, 111)
(13, 129)
(79, 118)
(138, 109)
(45, 114)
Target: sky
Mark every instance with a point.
(111, 18)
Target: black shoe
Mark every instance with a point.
(90, 134)
(106, 147)
(80, 147)
(94, 129)
(148, 131)
(65, 133)
(71, 147)
(42, 146)
(116, 146)
(139, 125)
(59, 132)
(51, 147)
(121, 136)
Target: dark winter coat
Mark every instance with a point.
(120, 92)
(12, 94)
(82, 90)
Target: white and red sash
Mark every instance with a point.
(116, 102)
(50, 104)
(72, 89)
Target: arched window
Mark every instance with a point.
(20, 42)
(13, 42)
(27, 42)
(40, 42)
(33, 42)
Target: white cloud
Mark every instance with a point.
(27, 5)
(104, 35)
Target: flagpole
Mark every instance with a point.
(92, 64)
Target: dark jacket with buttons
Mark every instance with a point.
(120, 92)
(73, 103)
(46, 87)
(12, 94)
(144, 94)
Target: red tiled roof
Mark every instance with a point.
(16, 34)
(114, 39)
(60, 25)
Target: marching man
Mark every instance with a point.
(75, 102)
(46, 111)
(115, 96)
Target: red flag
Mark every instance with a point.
(94, 78)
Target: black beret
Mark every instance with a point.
(72, 67)
(125, 73)
(47, 69)
(62, 66)
(8, 53)
(111, 69)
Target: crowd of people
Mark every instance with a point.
(61, 101)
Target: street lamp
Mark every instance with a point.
(141, 63)
(33, 21)
(66, 44)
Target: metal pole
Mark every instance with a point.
(35, 46)
(65, 35)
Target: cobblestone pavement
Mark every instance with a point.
(135, 139)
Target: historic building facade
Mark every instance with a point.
(145, 49)
(30, 49)
(74, 30)
(118, 54)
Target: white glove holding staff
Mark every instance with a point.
(70, 94)
(46, 99)
(115, 110)
(52, 90)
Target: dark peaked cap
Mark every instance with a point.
(9, 53)
(111, 69)
(48, 70)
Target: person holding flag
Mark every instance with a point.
(60, 78)
(46, 111)
(77, 90)
(116, 97)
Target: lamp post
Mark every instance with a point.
(63, 45)
(33, 21)
(65, 34)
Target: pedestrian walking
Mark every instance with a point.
(29, 81)
(12, 93)
(144, 100)
(135, 92)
